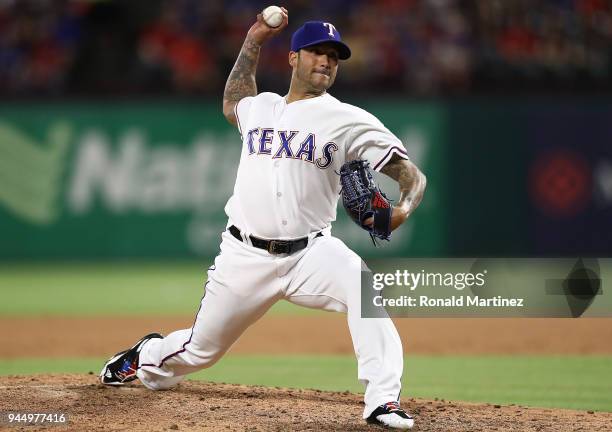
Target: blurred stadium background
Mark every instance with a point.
(112, 143)
(116, 162)
(402, 47)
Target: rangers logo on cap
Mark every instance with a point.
(316, 32)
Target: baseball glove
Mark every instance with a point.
(363, 199)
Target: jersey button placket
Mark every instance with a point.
(279, 194)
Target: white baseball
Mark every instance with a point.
(273, 16)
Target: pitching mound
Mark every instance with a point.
(201, 406)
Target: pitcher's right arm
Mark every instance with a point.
(241, 81)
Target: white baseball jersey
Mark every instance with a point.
(287, 184)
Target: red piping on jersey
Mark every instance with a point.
(393, 150)
(183, 348)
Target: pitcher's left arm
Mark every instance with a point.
(412, 184)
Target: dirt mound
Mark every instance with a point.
(201, 406)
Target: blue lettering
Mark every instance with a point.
(250, 139)
(327, 158)
(285, 144)
(264, 140)
(307, 148)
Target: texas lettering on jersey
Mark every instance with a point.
(289, 144)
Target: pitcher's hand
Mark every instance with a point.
(260, 32)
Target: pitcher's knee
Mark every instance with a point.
(352, 275)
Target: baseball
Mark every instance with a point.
(273, 16)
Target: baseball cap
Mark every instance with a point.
(316, 32)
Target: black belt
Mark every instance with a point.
(274, 246)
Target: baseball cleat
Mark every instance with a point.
(391, 415)
(121, 368)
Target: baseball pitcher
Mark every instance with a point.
(278, 242)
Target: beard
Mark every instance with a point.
(313, 80)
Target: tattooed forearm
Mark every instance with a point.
(241, 81)
(411, 182)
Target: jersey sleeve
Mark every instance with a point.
(370, 140)
(242, 110)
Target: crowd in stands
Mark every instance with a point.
(400, 47)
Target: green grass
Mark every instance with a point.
(175, 288)
(80, 289)
(548, 381)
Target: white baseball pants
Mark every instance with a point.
(245, 282)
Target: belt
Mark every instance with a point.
(274, 246)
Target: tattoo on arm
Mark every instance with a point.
(411, 182)
(241, 80)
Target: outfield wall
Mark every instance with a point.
(115, 180)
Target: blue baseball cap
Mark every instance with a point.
(316, 32)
